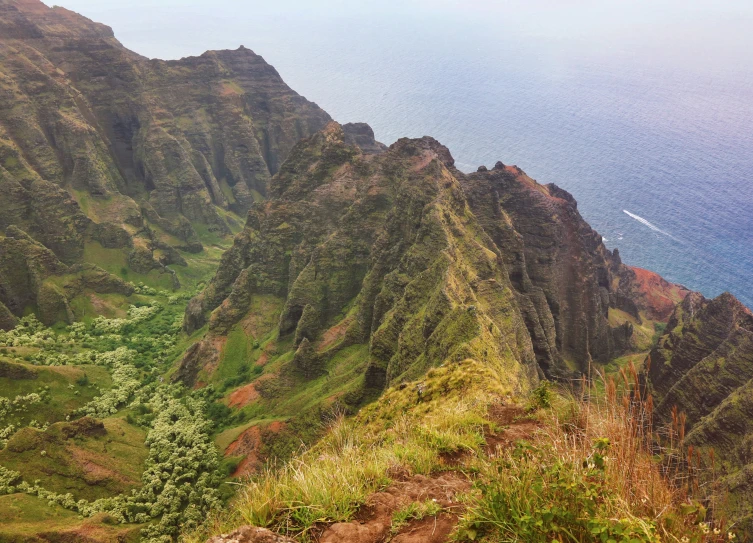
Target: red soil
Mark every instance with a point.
(659, 296)
(375, 518)
(248, 445)
(373, 521)
(334, 334)
(243, 396)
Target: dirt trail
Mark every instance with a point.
(373, 522)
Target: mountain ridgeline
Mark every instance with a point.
(702, 367)
(197, 263)
(397, 250)
(101, 148)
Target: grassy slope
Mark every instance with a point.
(89, 467)
(21, 517)
(532, 492)
(62, 385)
(94, 466)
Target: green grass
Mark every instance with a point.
(107, 305)
(400, 433)
(60, 383)
(225, 438)
(644, 333)
(414, 511)
(236, 355)
(89, 467)
(115, 261)
(23, 516)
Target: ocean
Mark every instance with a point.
(642, 110)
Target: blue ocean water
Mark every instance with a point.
(643, 112)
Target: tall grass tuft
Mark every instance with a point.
(329, 482)
(597, 470)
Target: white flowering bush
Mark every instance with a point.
(180, 480)
(5, 433)
(8, 480)
(18, 404)
(28, 333)
(125, 383)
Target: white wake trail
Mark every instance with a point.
(647, 223)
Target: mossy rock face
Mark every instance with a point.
(97, 144)
(565, 278)
(703, 366)
(31, 276)
(371, 248)
(7, 319)
(427, 263)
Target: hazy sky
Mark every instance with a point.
(690, 31)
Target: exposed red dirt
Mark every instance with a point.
(334, 334)
(210, 350)
(248, 444)
(659, 295)
(428, 530)
(269, 349)
(94, 466)
(374, 520)
(514, 426)
(243, 396)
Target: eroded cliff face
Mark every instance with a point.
(703, 367)
(398, 250)
(100, 145)
(358, 247)
(566, 280)
(32, 277)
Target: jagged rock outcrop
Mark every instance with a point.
(566, 280)
(354, 230)
(703, 366)
(382, 247)
(97, 142)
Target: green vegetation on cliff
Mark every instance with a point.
(205, 281)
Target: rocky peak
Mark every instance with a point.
(361, 135)
(426, 143)
(101, 145)
(32, 20)
(388, 236)
(566, 279)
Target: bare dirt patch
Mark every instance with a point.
(514, 425)
(94, 469)
(243, 396)
(374, 520)
(248, 444)
(334, 334)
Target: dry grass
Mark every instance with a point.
(649, 474)
(329, 482)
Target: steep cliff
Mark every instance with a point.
(358, 246)
(579, 301)
(373, 249)
(703, 366)
(100, 146)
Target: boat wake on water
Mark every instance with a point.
(649, 224)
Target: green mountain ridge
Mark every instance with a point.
(205, 280)
(100, 147)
